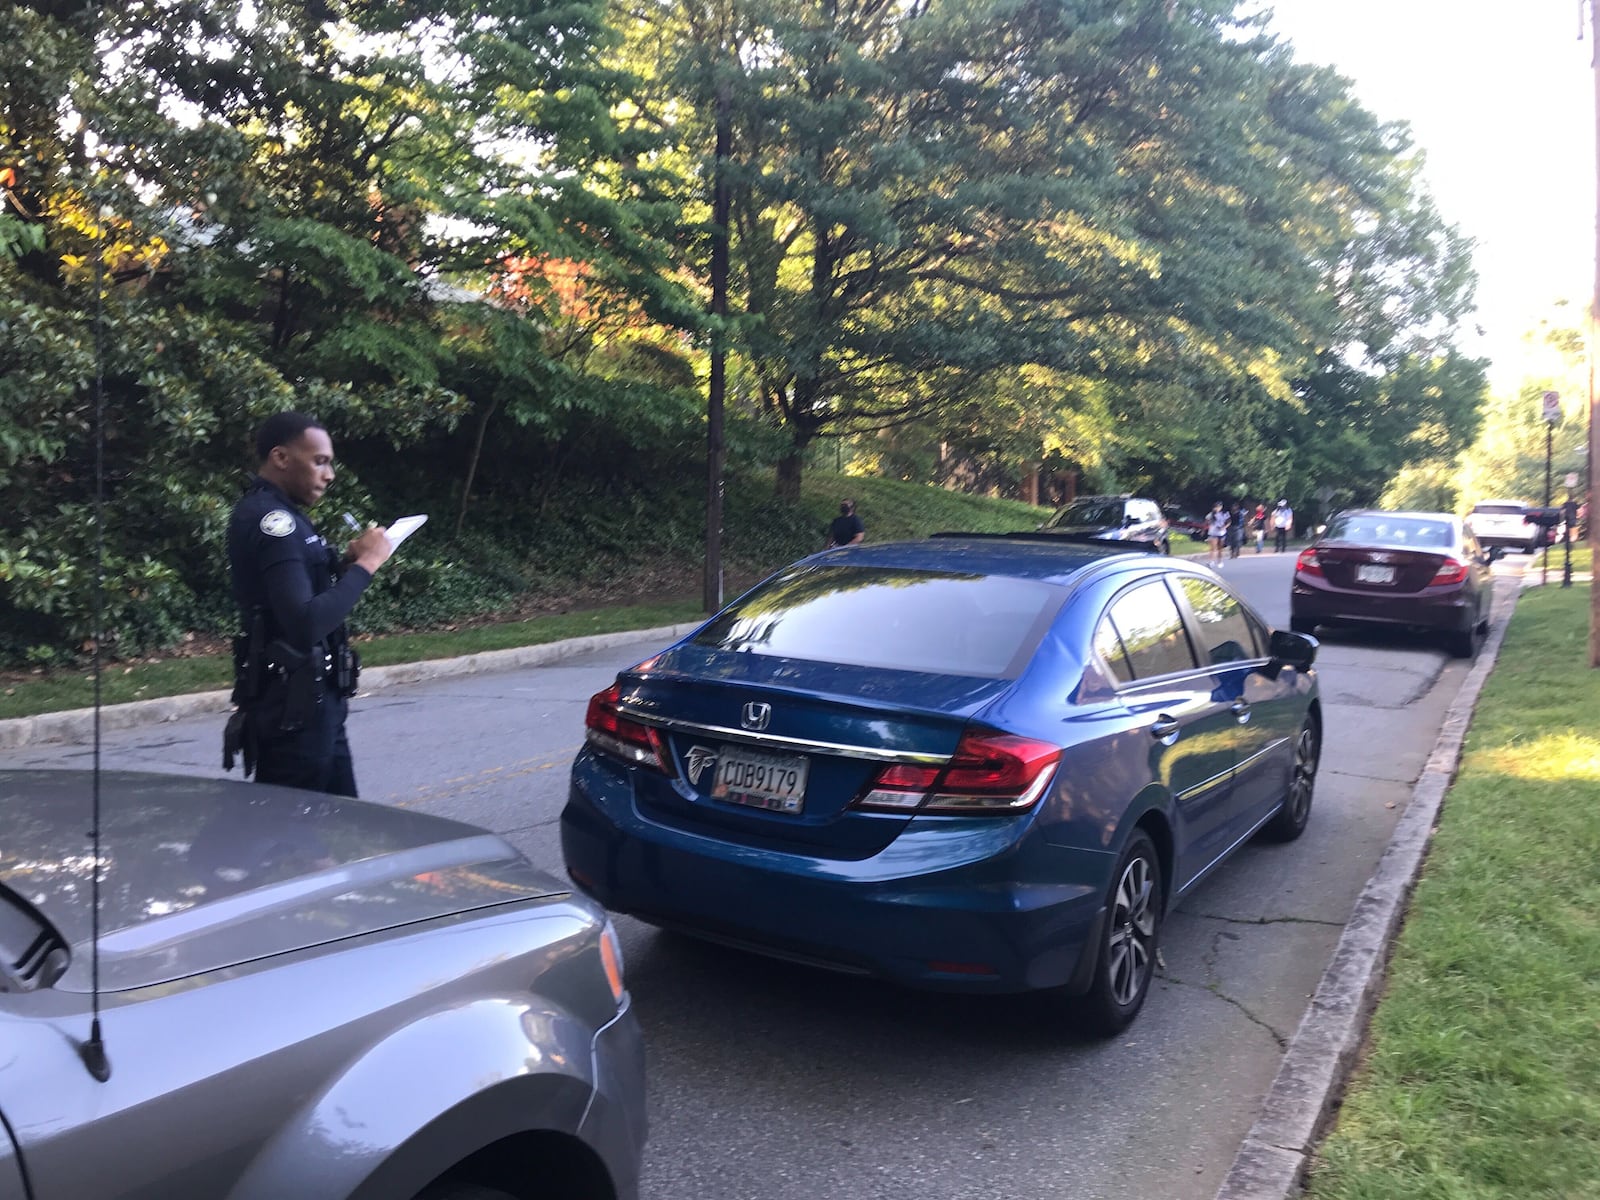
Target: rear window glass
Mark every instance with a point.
(1379, 529)
(1501, 510)
(936, 623)
(1088, 512)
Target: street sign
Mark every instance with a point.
(1552, 407)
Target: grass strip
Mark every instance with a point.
(60, 690)
(1481, 1076)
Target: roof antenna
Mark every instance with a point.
(93, 1051)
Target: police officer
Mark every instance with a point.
(294, 667)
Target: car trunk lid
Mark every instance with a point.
(1379, 569)
(773, 751)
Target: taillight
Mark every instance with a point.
(1450, 571)
(990, 772)
(620, 736)
(1307, 563)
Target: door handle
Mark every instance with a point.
(1241, 709)
(1165, 729)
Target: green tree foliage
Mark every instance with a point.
(252, 207)
(1064, 218)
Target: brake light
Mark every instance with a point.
(1307, 563)
(1450, 571)
(990, 772)
(622, 737)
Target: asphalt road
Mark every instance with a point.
(777, 1082)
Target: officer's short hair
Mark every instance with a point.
(282, 428)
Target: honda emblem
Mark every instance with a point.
(755, 716)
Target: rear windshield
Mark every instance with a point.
(1088, 512)
(1501, 510)
(933, 622)
(1380, 529)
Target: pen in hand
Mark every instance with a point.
(355, 525)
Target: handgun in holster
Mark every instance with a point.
(302, 682)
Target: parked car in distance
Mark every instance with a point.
(1507, 525)
(301, 996)
(971, 763)
(1421, 569)
(1111, 519)
(1185, 522)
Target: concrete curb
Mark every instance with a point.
(77, 725)
(1272, 1160)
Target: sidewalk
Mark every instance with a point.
(77, 725)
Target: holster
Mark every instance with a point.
(302, 682)
(239, 739)
(346, 664)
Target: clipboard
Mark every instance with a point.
(404, 527)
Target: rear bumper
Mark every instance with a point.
(933, 910)
(1526, 542)
(1445, 608)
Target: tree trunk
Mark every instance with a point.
(472, 464)
(789, 476)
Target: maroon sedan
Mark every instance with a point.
(1395, 568)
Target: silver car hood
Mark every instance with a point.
(201, 874)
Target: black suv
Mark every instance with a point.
(1112, 519)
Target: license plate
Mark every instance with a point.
(1367, 573)
(772, 781)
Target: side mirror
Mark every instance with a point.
(1130, 519)
(1298, 650)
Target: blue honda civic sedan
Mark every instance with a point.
(972, 763)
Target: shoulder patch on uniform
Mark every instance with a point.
(278, 523)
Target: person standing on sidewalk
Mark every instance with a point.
(1282, 526)
(1258, 525)
(294, 668)
(846, 529)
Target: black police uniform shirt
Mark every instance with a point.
(282, 565)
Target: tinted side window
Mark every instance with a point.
(1109, 646)
(1146, 618)
(1226, 634)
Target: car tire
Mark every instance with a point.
(1302, 625)
(1126, 956)
(1466, 643)
(1290, 820)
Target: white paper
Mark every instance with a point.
(404, 527)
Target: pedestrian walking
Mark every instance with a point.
(846, 529)
(1258, 526)
(1216, 532)
(294, 667)
(1282, 526)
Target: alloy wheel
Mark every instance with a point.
(1131, 948)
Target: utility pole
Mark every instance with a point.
(719, 352)
(1594, 320)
